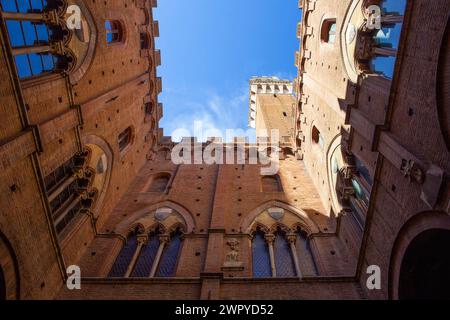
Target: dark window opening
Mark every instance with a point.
(328, 32)
(424, 272)
(160, 183)
(114, 31)
(271, 184)
(316, 137)
(2, 285)
(120, 266)
(145, 40)
(124, 138)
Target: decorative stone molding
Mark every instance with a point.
(276, 213)
(162, 214)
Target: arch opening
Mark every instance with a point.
(424, 272)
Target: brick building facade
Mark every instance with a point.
(88, 178)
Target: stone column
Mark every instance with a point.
(292, 238)
(142, 240)
(270, 238)
(163, 241)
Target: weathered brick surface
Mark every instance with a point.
(95, 103)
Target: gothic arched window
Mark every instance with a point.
(160, 183)
(152, 255)
(284, 262)
(271, 184)
(63, 186)
(31, 36)
(272, 249)
(386, 39)
(261, 258)
(169, 258)
(282, 253)
(147, 256)
(124, 258)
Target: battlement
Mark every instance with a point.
(265, 85)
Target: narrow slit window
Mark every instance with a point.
(124, 138)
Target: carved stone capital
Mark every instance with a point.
(269, 237)
(142, 239)
(291, 238)
(164, 238)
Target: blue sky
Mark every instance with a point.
(211, 48)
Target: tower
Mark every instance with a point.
(271, 106)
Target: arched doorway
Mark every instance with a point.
(425, 268)
(2, 285)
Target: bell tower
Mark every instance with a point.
(272, 106)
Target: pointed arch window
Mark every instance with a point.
(168, 263)
(260, 255)
(284, 261)
(273, 255)
(152, 255)
(282, 254)
(124, 258)
(30, 36)
(23, 6)
(386, 39)
(147, 256)
(63, 187)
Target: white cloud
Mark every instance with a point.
(212, 117)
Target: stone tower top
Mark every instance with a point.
(265, 85)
